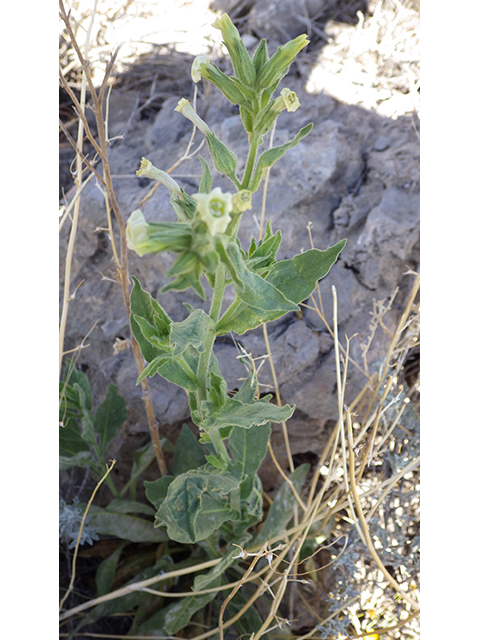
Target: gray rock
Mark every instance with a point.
(382, 143)
(283, 20)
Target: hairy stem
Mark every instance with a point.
(204, 360)
(252, 156)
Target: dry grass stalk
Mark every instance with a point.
(101, 146)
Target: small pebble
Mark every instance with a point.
(382, 143)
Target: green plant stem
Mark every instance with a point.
(219, 445)
(204, 360)
(252, 156)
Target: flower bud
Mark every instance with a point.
(147, 170)
(214, 209)
(224, 159)
(242, 63)
(224, 83)
(185, 108)
(274, 69)
(137, 233)
(151, 237)
(196, 70)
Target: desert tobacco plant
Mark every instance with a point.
(222, 489)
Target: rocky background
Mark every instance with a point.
(356, 176)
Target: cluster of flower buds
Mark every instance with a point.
(207, 216)
(193, 237)
(255, 79)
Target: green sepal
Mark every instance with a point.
(206, 181)
(224, 159)
(184, 208)
(247, 119)
(260, 57)
(225, 84)
(279, 63)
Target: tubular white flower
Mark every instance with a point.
(291, 101)
(196, 72)
(185, 108)
(149, 171)
(242, 201)
(214, 209)
(286, 100)
(136, 231)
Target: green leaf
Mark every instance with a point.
(156, 491)
(260, 57)
(187, 280)
(124, 526)
(188, 454)
(251, 288)
(295, 278)
(238, 414)
(74, 451)
(206, 181)
(106, 571)
(261, 259)
(144, 306)
(82, 459)
(268, 158)
(196, 504)
(76, 376)
(177, 615)
(191, 332)
(204, 581)
(142, 459)
(110, 416)
(152, 334)
(125, 603)
(298, 277)
(251, 621)
(249, 446)
(177, 371)
(282, 508)
(87, 429)
(120, 505)
(225, 161)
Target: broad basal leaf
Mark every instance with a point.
(110, 416)
(282, 508)
(197, 504)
